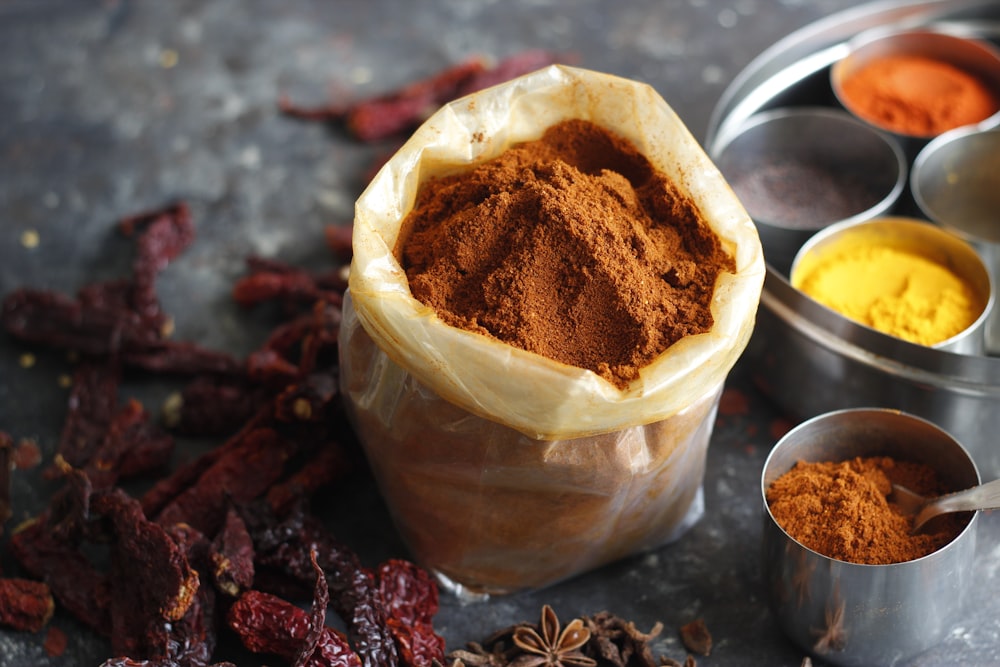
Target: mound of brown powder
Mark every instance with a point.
(573, 247)
(841, 509)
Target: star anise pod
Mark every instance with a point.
(552, 647)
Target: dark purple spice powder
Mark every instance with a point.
(797, 194)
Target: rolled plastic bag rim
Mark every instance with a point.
(542, 398)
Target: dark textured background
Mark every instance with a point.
(109, 108)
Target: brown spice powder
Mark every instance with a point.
(841, 510)
(573, 247)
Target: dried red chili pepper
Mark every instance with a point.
(196, 548)
(272, 279)
(408, 591)
(55, 320)
(329, 279)
(153, 584)
(192, 640)
(393, 112)
(287, 545)
(68, 516)
(330, 462)
(317, 616)
(410, 597)
(295, 349)
(25, 604)
(359, 603)
(107, 296)
(150, 450)
(269, 367)
(168, 232)
(161, 662)
(166, 490)
(132, 445)
(6, 456)
(309, 400)
(389, 114)
(259, 287)
(266, 623)
(148, 606)
(231, 556)
(508, 68)
(129, 225)
(319, 347)
(240, 475)
(212, 405)
(179, 357)
(272, 364)
(76, 584)
(93, 400)
(120, 317)
(385, 115)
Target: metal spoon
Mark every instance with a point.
(983, 497)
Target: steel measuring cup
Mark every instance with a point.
(867, 615)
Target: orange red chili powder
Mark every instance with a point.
(917, 95)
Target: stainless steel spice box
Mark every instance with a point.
(807, 358)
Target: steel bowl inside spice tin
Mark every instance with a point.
(911, 312)
(918, 83)
(800, 169)
(956, 183)
(867, 615)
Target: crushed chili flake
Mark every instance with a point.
(231, 553)
(25, 604)
(696, 637)
(734, 402)
(779, 427)
(30, 239)
(55, 642)
(27, 454)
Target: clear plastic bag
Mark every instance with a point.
(505, 470)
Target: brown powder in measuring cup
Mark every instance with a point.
(572, 246)
(841, 509)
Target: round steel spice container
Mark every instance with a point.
(505, 470)
(800, 169)
(859, 615)
(918, 83)
(902, 276)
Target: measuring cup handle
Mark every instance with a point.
(982, 497)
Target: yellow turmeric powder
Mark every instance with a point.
(896, 291)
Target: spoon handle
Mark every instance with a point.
(983, 497)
